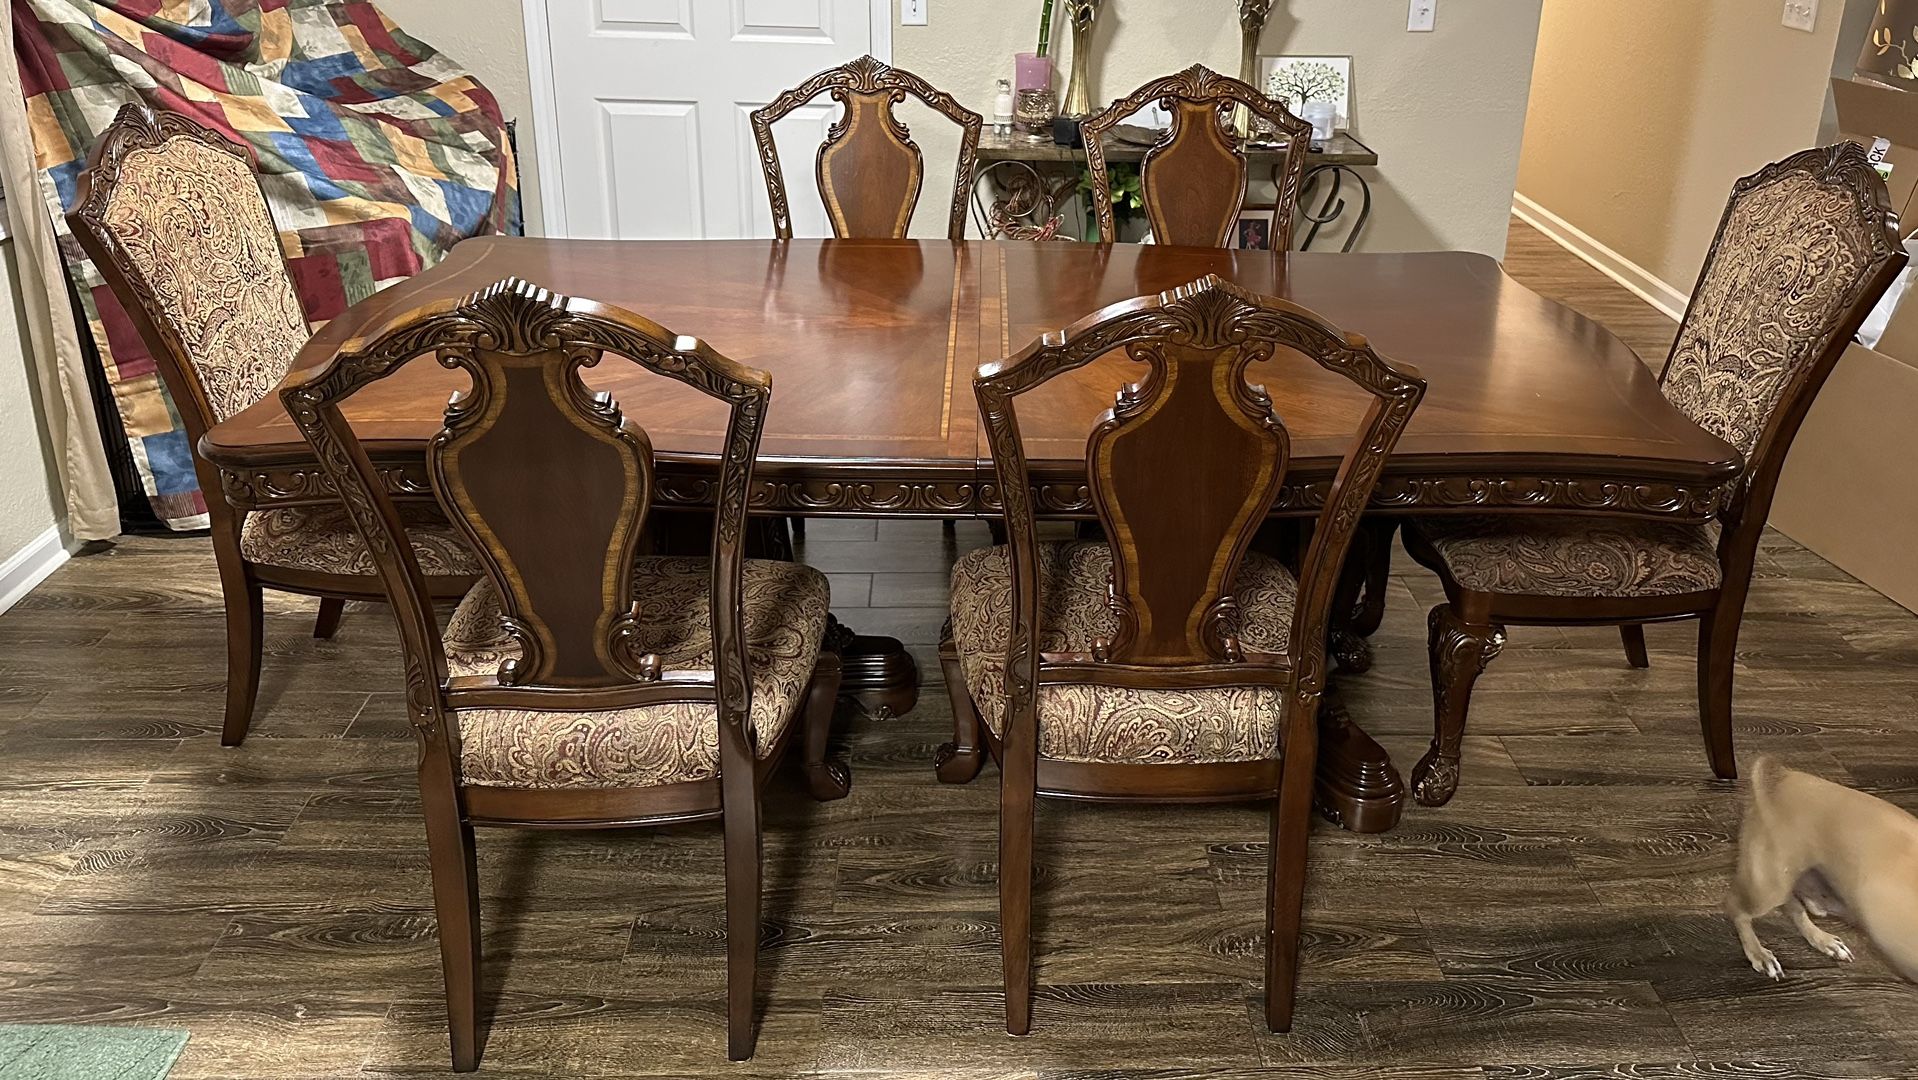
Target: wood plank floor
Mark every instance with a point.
(1560, 919)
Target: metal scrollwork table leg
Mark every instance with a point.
(1333, 208)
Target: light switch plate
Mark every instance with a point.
(1802, 15)
(913, 12)
(1423, 16)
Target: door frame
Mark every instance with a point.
(539, 71)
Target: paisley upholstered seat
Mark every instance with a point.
(1110, 723)
(1572, 556)
(323, 539)
(785, 619)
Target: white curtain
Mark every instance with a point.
(86, 484)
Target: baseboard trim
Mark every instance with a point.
(30, 566)
(1642, 282)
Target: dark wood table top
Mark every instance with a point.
(872, 345)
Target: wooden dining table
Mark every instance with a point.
(872, 344)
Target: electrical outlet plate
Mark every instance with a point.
(1802, 15)
(913, 12)
(1422, 17)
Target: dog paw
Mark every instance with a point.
(1837, 950)
(1767, 965)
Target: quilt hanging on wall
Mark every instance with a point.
(377, 154)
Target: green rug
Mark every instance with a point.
(52, 1052)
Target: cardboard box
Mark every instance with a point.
(1868, 112)
(1846, 492)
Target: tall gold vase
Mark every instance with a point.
(1082, 13)
(1252, 16)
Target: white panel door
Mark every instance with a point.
(652, 100)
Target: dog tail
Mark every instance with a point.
(1765, 774)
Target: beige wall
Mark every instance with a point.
(1645, 111)
(1444, 110)
(28, 495)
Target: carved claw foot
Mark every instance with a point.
(1435, 778)
(828, 780)
(958, 765)
(1351, 650)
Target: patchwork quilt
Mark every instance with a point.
(377, 154)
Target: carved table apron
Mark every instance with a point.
(872, 343)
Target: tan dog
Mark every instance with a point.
(1816, 847)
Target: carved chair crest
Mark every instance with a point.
(1193, 179)
(1192, 423)
(549, 483)
(869, 169)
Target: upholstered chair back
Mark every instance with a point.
(869, 169)
(172, 214)
(1803, 249)
(1193, 179)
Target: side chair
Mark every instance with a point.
(173, 216)
(580, 685)
(1805, 249)
(869, 169)
(1170, 662)
(1193, 179)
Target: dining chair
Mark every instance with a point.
(173, 216)
(1172, 662)
(1193, 179)
(580, 685)
(1803, 252)
(869, 168)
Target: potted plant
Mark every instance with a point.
(1128, 201)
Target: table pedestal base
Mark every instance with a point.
(877, 672)
(1357, 786)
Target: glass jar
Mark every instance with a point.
(1035, 111)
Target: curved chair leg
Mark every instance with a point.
(1633, 634)
(1717, 648)
(449, 843)
(826, 780)
(1460, 651)
(1285, 901)
(328, 622)
(243, 643)
(741, 823)
(1017, 793)
(961, 759)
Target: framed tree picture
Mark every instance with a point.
(1296, 80)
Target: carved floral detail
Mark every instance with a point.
(1460, 653)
